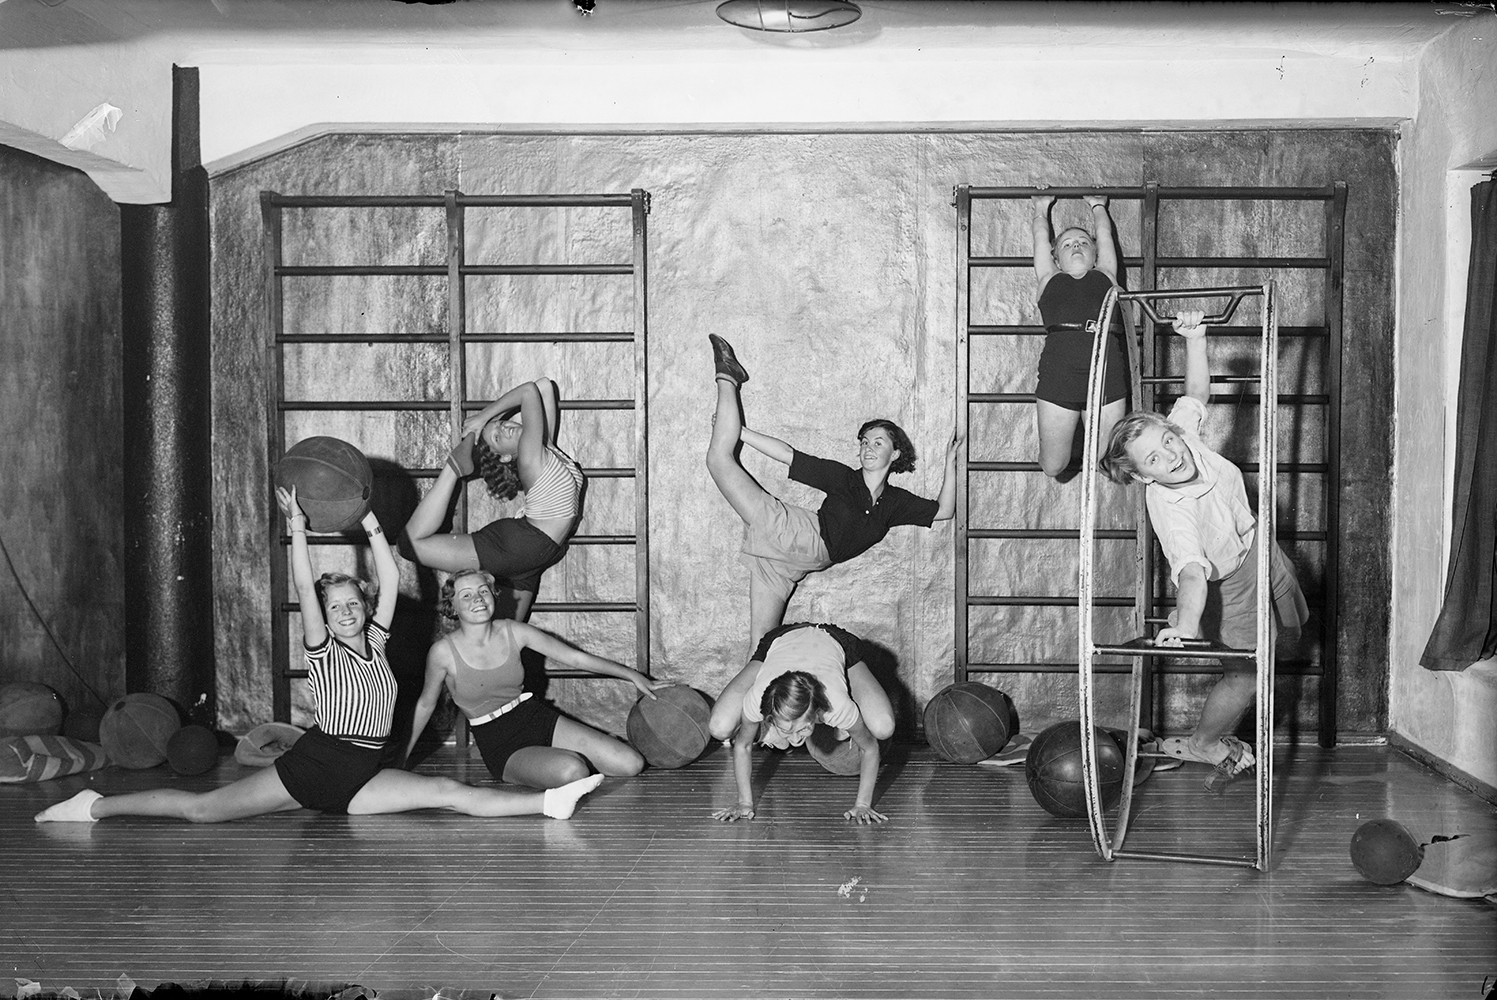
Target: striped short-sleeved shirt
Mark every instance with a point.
(353, 696)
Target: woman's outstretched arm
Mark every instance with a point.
(862, 810)
(313, 627)
(766, 445)
(385, 571)
(553, 648)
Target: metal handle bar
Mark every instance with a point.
(1235, 295)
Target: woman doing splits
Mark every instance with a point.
(335, 766)
(523, 739)
(511, 456)
(799, 676)
(782, 543)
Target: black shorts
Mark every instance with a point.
(324, 772)
(516, 552)
(532, 723)
(1066, 362)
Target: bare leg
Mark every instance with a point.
(524, 599)
(613, 757)
(544, 767)
(872, 701)
(732, 479)
(401, 791)
(766, 611)
(260, 793)
(1111, 413)
(1225, 706)
(1057, 431)
(439, 551)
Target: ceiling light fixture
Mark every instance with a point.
(789, 15)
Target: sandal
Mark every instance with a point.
(1239, 756)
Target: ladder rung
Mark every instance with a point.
(546, 338)
(602, 540)
(1199, 859)
(1299, 398)
(1000, 397)
(1041, 533)
(535, 269)
(1274, 263)
(1163, 193)
(1175, 652)
(570, 606)
(1006, 601)
(1282, 668)
(443, 338)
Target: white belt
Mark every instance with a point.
(499, 711)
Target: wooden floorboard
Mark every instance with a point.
(970, 891)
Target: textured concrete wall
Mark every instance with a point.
(1449, 714)
(60, 448)
(829, 260)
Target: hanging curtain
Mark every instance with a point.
(1466, 630)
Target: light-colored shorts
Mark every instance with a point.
(781, 544)
(1239, 599)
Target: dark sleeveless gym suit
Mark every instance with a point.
(1069, 307)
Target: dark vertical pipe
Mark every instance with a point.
(167, 532)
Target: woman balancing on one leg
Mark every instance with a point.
(523, 739)
(782, 543)
(511, 456)
(334, 767)
(1072, 276)
(799, 676)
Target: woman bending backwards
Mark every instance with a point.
(799, 676)
(334, 767)
(511, 456)
(523, 739)
(1072, 276)
(782, 543)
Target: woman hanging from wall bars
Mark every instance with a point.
(511, 455)
(782, 543)
(335, 766)
(1073, 274)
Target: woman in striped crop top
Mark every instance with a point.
(523, 739)
(511, 455)
(335, 766)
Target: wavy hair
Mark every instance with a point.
(502, 478)
(906, 460)
(449, 590)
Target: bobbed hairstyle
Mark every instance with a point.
(1054, 243)
(502, 478)
(327, 580)
(906, 460)
(449, 590)
(1115, 463)
(791, 695)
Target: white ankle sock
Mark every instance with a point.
(78, 809)
(558, 803)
